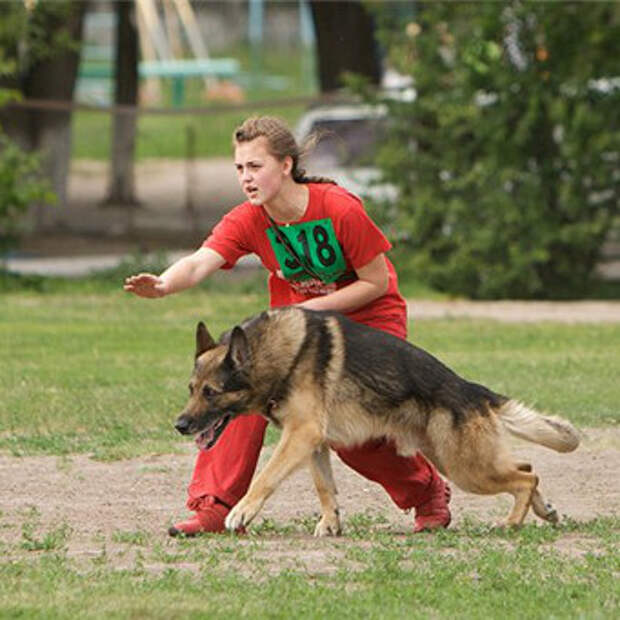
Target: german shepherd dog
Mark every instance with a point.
(324, 379)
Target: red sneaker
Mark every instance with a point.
(434, 513)
(209, 517)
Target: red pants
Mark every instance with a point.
(225, 471)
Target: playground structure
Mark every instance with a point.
(173, 46)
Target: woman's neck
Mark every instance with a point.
(290, 204)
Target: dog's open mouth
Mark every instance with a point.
(206, 439)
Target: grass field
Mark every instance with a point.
(87, 368)
(472, 573)
(97, 370)
(166, 135)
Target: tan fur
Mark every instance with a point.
(549, 431)
(333, 409)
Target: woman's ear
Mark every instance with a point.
(287, 165)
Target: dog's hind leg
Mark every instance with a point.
(522, 486)
(320, 466)
(542, 509)
(500, 479)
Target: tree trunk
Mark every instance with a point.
(51, 76)
(345, 42)
(121, 190)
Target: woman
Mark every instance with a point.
(323, 253)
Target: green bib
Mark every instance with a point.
(317, 242)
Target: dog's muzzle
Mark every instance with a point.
(207, 437)
(183, 425)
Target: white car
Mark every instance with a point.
(349, 138)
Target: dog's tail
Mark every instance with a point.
(549, 431)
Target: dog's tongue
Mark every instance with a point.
(202, 440)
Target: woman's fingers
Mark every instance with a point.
(144, 285)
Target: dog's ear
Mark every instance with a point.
(204, 341)
(238, 349)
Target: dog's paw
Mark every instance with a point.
(551, 514)
(506, 525)
(329, 525)
(241, 515)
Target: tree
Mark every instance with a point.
(20, 186)
(42, 47)
(121, 190)
(508, 162)
(345, 42)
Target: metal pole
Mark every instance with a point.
(255, 36)
(190, 163)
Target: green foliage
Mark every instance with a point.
(26, 37)
(19, 188)
(30, 36)
(508, 161)
(12, 21)
(46, 35)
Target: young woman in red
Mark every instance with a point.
(338, 263)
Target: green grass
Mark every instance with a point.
(100, 371)
(88, 368)
(569, 370)
(165, 135)
(471, 572)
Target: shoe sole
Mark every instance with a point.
(175, 532)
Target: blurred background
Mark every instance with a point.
(484, 137)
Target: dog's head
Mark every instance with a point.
(219, 388)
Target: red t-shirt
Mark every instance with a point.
(335, 235)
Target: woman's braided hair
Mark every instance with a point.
(281, 143)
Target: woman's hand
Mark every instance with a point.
(373, 281)
(145, 285)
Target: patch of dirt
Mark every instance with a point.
(178, 202)
(104, 504)
(518, 311)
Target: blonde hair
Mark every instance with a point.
(281, 144)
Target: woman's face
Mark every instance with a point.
(260, 174)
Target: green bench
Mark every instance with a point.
(176, 70)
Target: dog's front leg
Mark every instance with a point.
(294, 448)
(321, 468)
